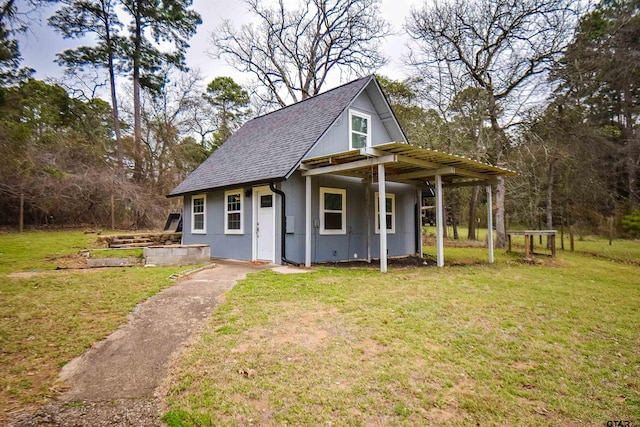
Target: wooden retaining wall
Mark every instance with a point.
(140, 240)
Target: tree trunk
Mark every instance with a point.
(473, 205)
(116, 117)
(501, 145)
(455, 225)
(501, 239)
(137, 115)
(112, 84)
(632, 170)
(113, 212)
(21, 219)
(549, 209)
(445, 215)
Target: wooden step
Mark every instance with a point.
(132, 245)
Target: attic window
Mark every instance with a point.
(359, 129)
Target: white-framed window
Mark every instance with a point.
(199, 214)
(359, 129)
(333, 210)
(391, 212)
(233, 212)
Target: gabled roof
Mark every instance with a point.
(270, 147)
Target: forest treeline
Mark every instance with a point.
(549, 89)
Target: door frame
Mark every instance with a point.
(255, 201)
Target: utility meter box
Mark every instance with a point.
(291, 225)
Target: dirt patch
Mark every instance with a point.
(74, 261)
(370, 349)
(31, 274)
(396, 262)
(524, 366)
(310, 331)
(440, 416)
(451, 412)
(431, 241)
(408, 262)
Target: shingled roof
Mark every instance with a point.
(269, 147)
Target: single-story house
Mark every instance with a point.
(310, 183)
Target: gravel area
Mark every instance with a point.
(119, 412)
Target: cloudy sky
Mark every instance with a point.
(41, 44)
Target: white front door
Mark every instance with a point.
(265, 224)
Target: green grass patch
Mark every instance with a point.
(40, 250)
(553, 343)
(624, 250)
(48, 317)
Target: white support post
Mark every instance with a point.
(490, 224)
(382, 220)
(367, 202)
(419, 196)
(307, 230)
(439, 223)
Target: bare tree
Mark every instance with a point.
(502, 46)
(292, 53)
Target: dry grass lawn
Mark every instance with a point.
(548, 343)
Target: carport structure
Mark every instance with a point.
(404, 163)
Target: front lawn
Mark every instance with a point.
(49, 316)
(555, 342)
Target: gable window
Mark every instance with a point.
(333, 210)
(391, 212)
(359, 130)
(233, 205)
(198, 214)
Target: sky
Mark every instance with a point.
(40, 45)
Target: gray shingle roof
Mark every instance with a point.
(269, 147)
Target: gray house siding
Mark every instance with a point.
(328, 248)
(337, 138)
(402, 242)
(235, 246)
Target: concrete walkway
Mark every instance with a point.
(118, 375)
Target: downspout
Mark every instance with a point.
(283, 224)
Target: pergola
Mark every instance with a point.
(401, 162)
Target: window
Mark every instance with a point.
(233, 223)
(333, 210)
(359, 130)
(198, 214)
(266, 201)
(391, 212)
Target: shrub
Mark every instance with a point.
(631, 223)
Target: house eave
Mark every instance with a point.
(227, 187)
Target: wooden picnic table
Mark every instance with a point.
(528, 240)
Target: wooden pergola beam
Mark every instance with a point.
(422, 174)
(470, 183)
(392, 158)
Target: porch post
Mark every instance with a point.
(382, 220)
(307, 229)
(367, 202)
(489, 224)
(439, 223)
(419, 196)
